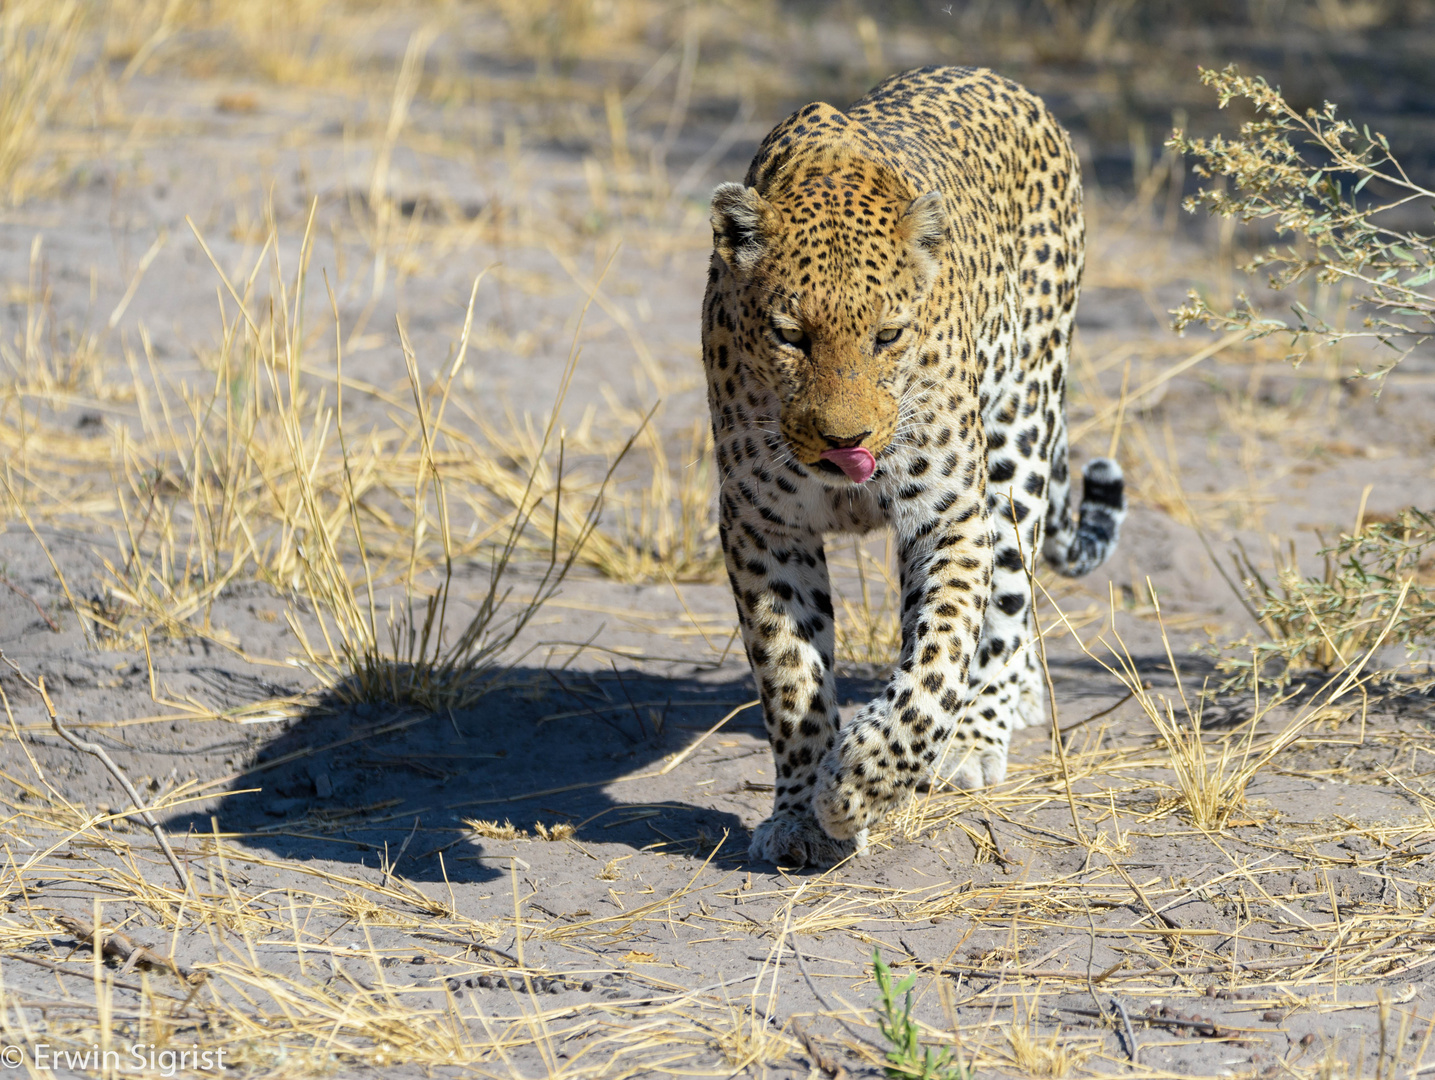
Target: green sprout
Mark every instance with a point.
(907, 1059)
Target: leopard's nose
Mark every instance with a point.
(843, 442)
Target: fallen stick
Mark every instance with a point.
(1210, 1028)
(51, 623)
(98, 751)
(821, 1059)
(1274, 964)
(118, 944)
(1001, 855)
(45, 1008)
(1126, 1022)
(88, 976)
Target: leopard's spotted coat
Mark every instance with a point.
(900, 276)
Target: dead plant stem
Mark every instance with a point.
(98, 751)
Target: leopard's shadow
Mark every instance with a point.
(361, 784)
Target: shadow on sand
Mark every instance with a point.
(377, 784)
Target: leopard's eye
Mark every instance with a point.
(791, 336)
(889, 335)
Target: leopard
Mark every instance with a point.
(886, 331)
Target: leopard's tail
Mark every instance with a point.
(1076, 548)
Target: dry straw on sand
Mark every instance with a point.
(411, 538)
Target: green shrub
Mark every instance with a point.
(1375, 591)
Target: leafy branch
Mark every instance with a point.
(1305, 173)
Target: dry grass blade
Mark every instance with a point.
(38, 42)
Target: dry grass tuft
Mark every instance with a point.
(1210, 782)
(1375, 590)
(492, 830)
(563, 830)
(1055, 1055)
(409, 654)
(38, 43)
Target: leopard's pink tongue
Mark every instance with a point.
(856, 461)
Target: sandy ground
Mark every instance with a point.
(340, 839)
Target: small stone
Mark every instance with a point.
(470, 983)
(323, 786)
(1212, 991)
(1308, 1039)
(419, 960)
(486, 981)
(587, 986)
(452, 984)
(1271, 1016)
(500, 983)
(555, 988)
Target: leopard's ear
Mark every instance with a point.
(743, 221)
(924, 222)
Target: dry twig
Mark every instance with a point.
(98, 751)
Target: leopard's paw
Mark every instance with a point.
(798, 840)
(843, 799)
(970, 767)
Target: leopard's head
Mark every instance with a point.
(830, 269)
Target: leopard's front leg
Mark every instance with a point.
(784, 606)
(946, 564)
